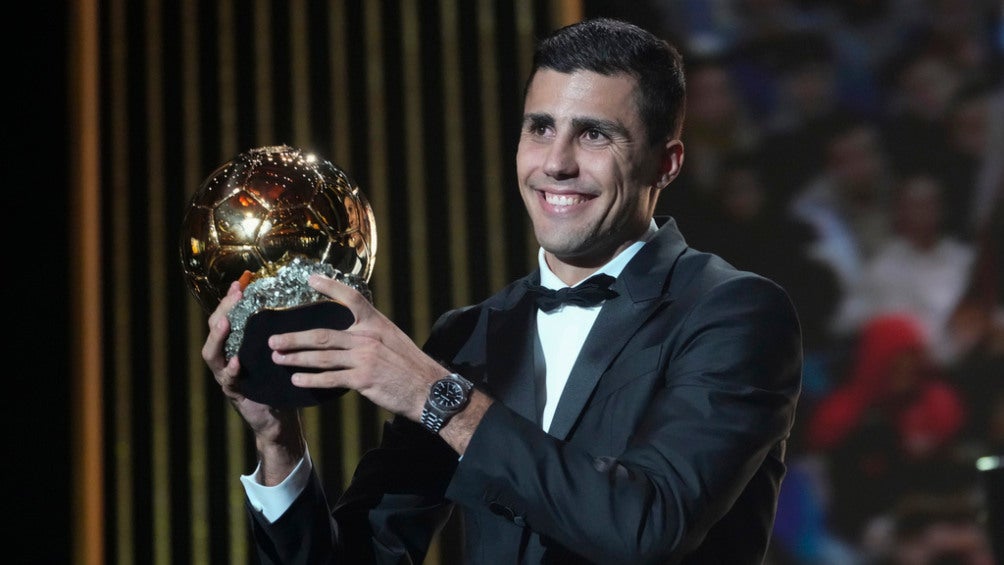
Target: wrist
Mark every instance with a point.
(279, 449)
(457, 433)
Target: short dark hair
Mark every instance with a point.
(608, 47)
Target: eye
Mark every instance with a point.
(538, 125)
(595, 136)
(537, 129)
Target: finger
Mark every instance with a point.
(324, 379)
(227, 303)
(228, 376)
(219, 327)
(314, 359)
(342, 293)
(310, 339)
(212, 349)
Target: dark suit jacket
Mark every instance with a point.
(667, 444)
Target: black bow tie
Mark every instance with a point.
(590, 292)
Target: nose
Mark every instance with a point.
(560, 161)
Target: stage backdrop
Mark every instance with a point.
(419, 101)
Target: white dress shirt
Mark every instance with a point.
(562, 331)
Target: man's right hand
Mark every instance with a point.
(278, 435)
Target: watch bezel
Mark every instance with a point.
(448, 394)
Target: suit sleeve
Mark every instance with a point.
(725, 403)
(389, 514)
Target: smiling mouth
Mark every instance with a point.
(564, 199)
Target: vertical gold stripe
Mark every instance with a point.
(299, 66)
(455, 165)
(121, 282)
(375, 87)
(85, 272)
(263, 73)
(198, 465)
(415, 174)
(351, 444)
(348, 404)
(226, 71)
(383, 294)
(160, 425)
(524, 56)
(524, 40)
(491, 146)
(235, 427)
(411, 60)
(339, 81)
(565, 12)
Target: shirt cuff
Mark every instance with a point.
(272, 502)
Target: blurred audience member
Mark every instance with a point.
(808, 108)
(888, 428)
(914, 129)
(960, 33)
(763, 37)
(802, 533)
(933, 529)
(848, 206)
(961, 162)
(864, 36)
(716, 126)
(921, 270)
(978, 328)
(989, 190)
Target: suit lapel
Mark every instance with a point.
(642, 289)
(617, 323)
(512, 334)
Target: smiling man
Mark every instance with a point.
(641, 420)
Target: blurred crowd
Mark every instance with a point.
(854, 153)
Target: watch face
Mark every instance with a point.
(447, 395)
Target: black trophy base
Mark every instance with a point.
(267, 383)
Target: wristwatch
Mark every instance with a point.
(448, 396)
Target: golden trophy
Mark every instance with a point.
(271, 217)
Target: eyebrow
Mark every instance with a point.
(538, 119)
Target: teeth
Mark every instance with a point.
(563, 199)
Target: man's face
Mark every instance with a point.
(587, 173)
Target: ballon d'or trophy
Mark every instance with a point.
(271, 217)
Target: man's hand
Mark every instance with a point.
(278, 435)
(373, 356)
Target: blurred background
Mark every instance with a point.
(851, 151)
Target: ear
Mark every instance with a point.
(672, 161)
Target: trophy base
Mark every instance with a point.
(267, 383)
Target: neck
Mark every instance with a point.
(570, 274)
(573, 269)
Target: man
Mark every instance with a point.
(649, 427)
